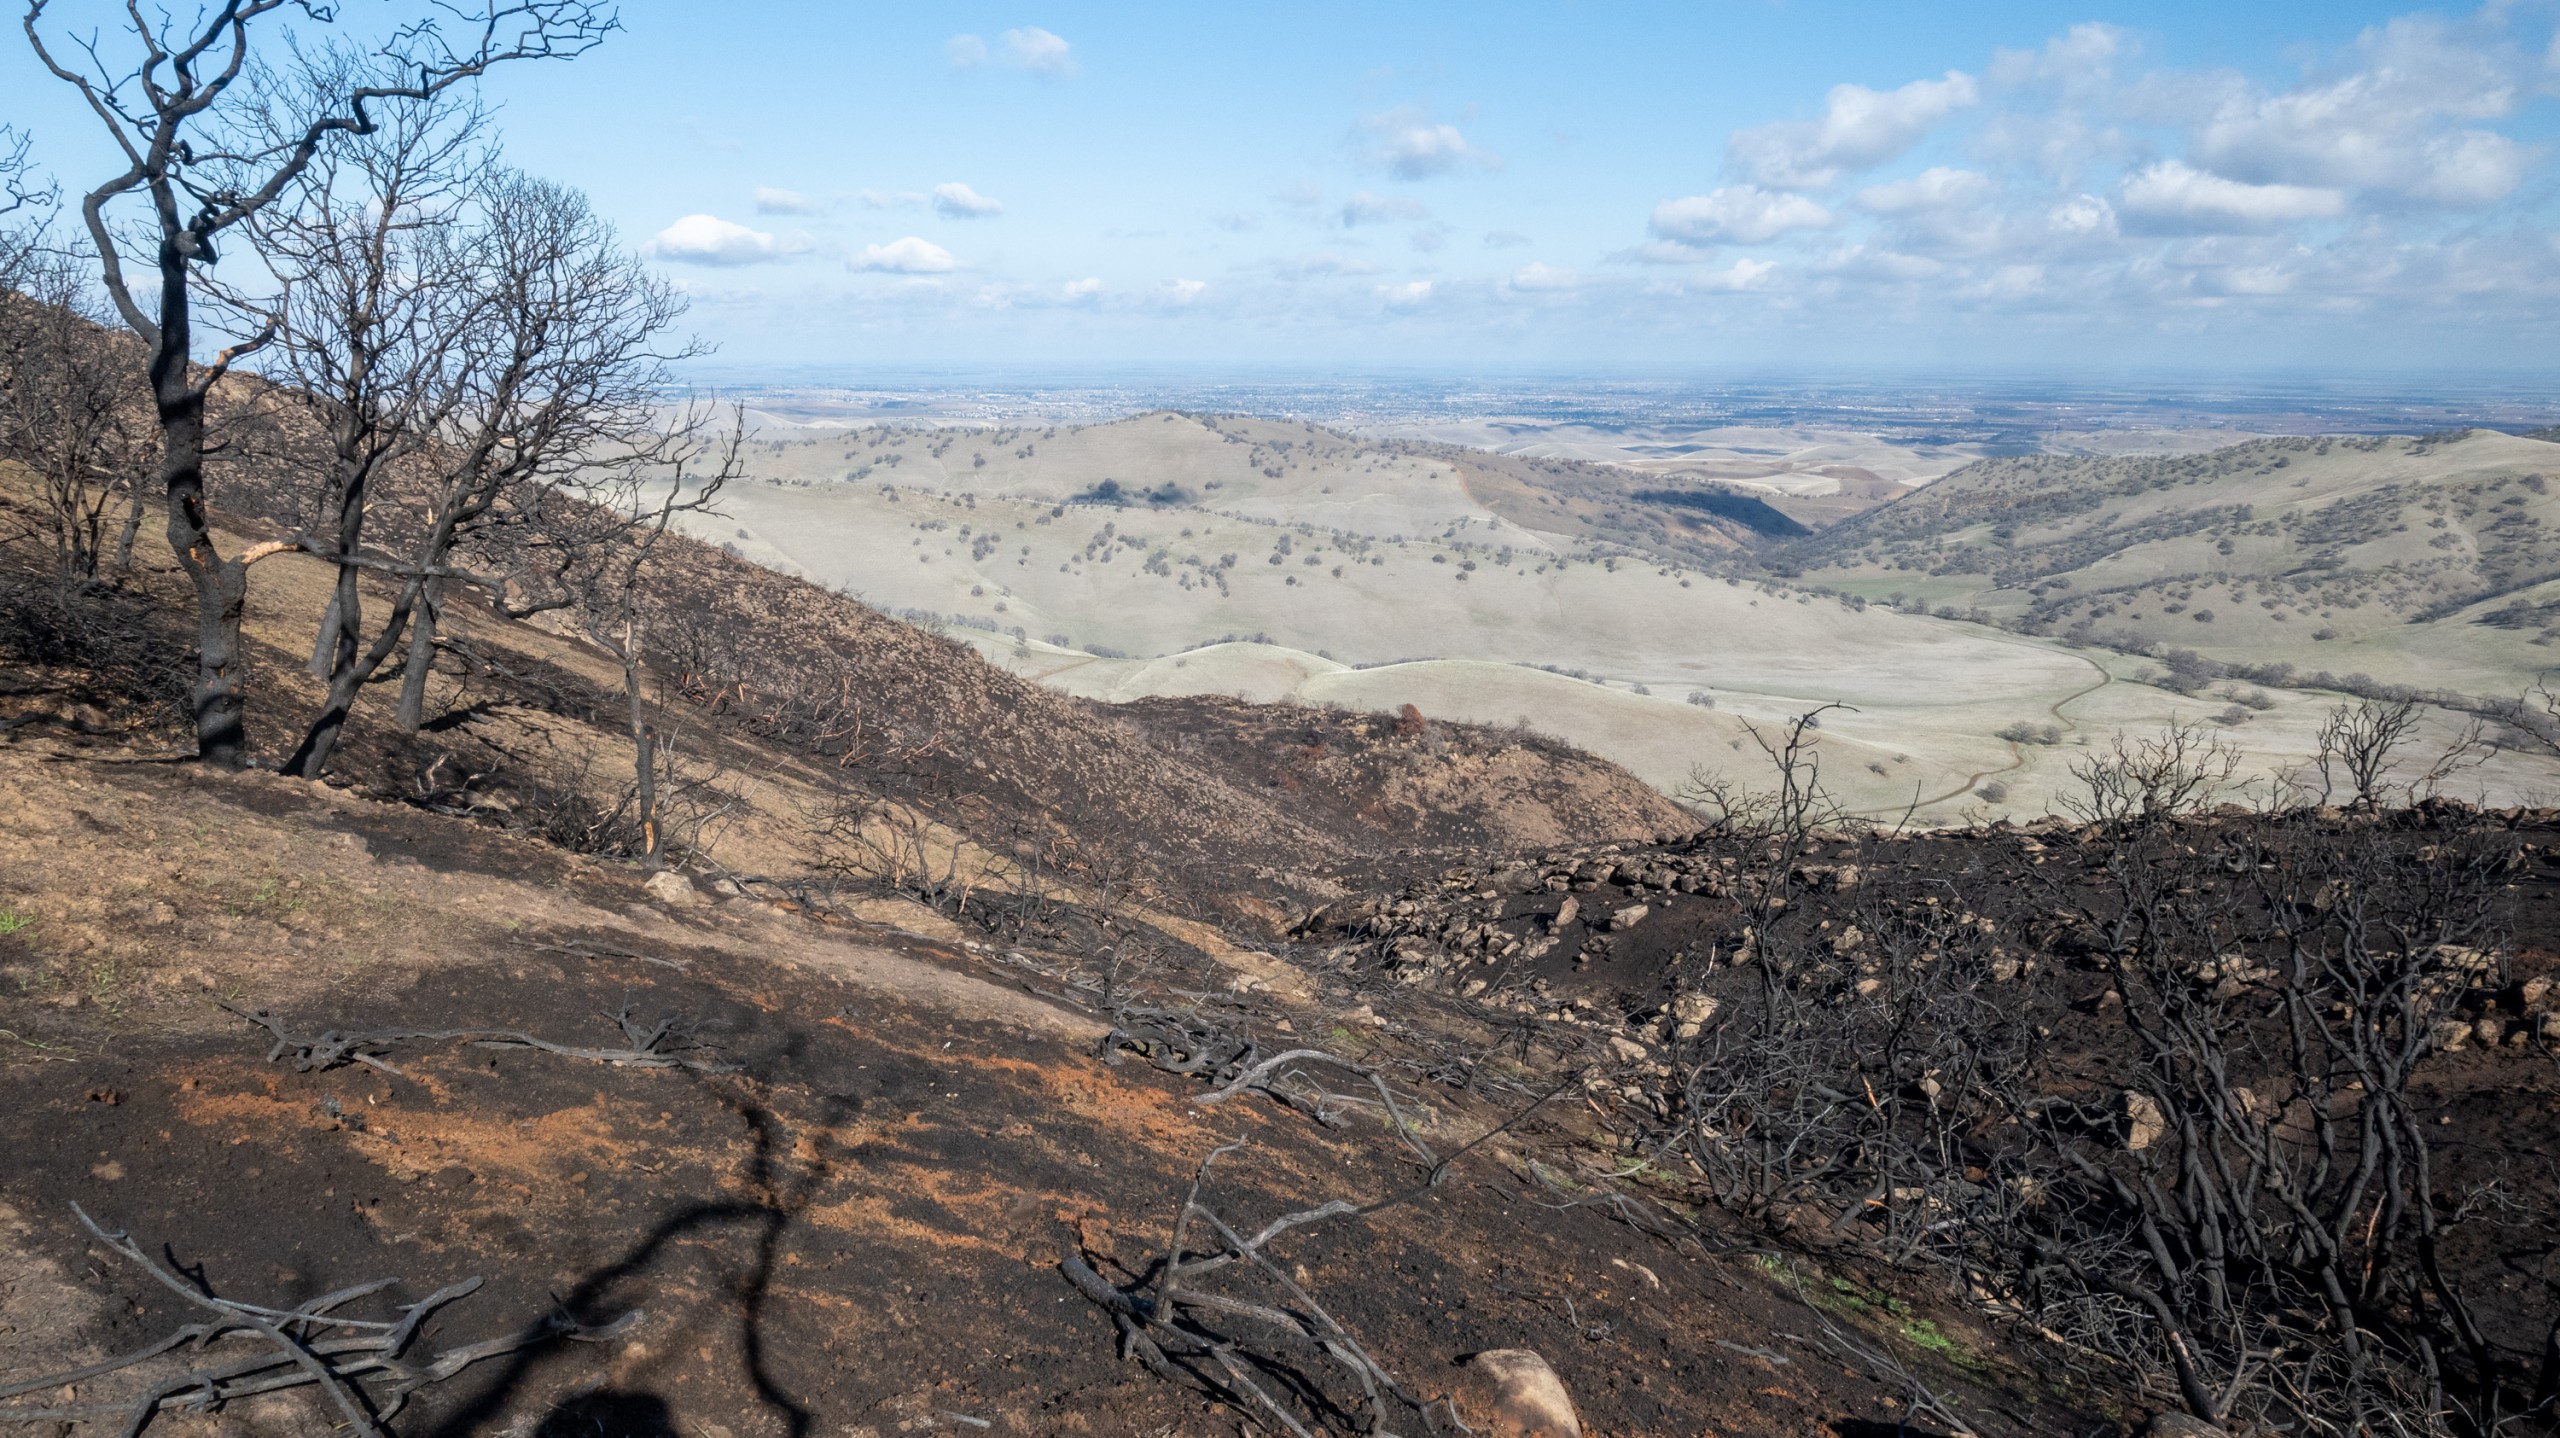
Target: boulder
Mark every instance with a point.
(2144, 1124)
(1512, 1393)
(671, 888)
(1630, 916)
(1566, 913)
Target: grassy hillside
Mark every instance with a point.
(1174, 554)
(2426, 561)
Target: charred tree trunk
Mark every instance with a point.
(422, 656)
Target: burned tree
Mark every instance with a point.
(677, 474)
(70, 388)
(487, 362)
(168, 104)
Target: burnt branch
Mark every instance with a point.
(665, 1045)
(364, 1366)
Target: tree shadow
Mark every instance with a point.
(781, 1192)
(610, 1413)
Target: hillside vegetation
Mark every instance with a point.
(2419, 561)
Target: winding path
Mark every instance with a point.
(2017, 752)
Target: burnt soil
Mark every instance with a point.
(856, 1231)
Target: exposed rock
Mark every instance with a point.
(1512, 1393)
(1630, 916)
(1566, 913)
(2144, 1124)
(2180, 1425)
(669, 887)
(1626, 1050)
(2451, 1035)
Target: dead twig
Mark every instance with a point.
(648, 1046)
(363, 1365)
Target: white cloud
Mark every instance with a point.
(1304, 267)
(1504, 239)
(1408, 145)
(710, 240)
(909, 256)
(957, 201)
(2174, 197)
(1935, 188)
(1185, 292)
(2401, 119)
(1745, 214)
(1368, 209)
(1540, 276)
(1029, 49)
(1859, 129)
(2083, 215)
(1083, 289)
(1038, 51)
(770, 201)
(1743, 274)
(1406, 295)
(890, 199)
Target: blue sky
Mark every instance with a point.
(1881, 186)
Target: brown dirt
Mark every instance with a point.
(855, 1232)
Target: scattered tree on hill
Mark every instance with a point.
(167, 101)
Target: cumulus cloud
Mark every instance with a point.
(912, 255)
(1745, 214)
(1859, 130)
(1083, 289)
(1407, 295)
(1029, 49)
(1368, 209)
(710, 240)
(770, 201)
(1038, 51)
(957, 201)
(1410, 146)
(2174, 197)
(2402, 118)
(1935, 188)
(1184, 292)
(1743, 274)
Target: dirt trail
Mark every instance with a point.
(2017, 752)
